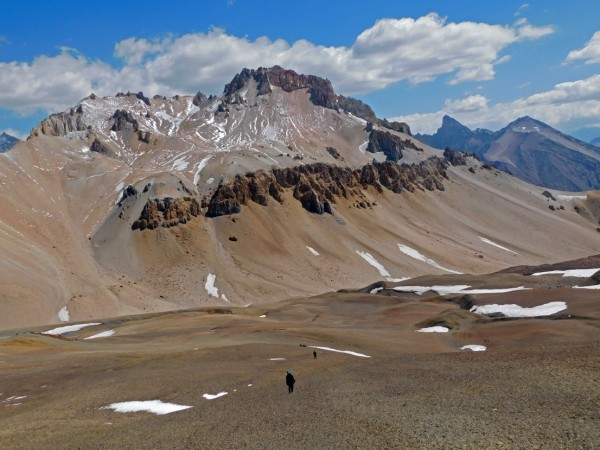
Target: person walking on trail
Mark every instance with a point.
(314, 354)
(290, 380)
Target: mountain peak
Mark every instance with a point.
(7, 142)
(321, 90)
(450, 122)
(527, 122)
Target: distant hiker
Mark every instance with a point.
(315, 354)
(289, 380)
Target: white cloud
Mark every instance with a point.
(415, 50)
(470, 103)
(566, 102)
(51, 83)
(527, 31)
(522, 8)
(590, 52)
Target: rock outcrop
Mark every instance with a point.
(320, 89)
(388, 143)
(401, 127)
(455, 158)
(199, 98)
(61, 124)
(166, 212)
(140, 95)
(317, 186)
(122, 121)
(100, 147)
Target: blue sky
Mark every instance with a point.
(484, 63)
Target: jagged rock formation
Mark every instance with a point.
(334, 153)
(320, 90)
(166, 212)
(388, 143)
(100, 147)
(318, 185)
(61, 124)
(123, 120)
(401, 127)
(199, 98)
(456, 158)
(139, 95)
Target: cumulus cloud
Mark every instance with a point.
(590, 53)
(392, 50)
(52, 82)
(566, 102)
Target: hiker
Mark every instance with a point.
(289, 380)
(314, 354)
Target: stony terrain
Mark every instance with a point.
(535, 386)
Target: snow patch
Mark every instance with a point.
(519, 311)
(210, 180)
(213, 396)
(63, 314)
(348, 352)
(201, 165)
(153, 406)
(595, 286)
(455, 289)
(579, 273)
(276, 359)
(70, 328)
(312, 250)
(474, 348)
(487, 241)
(101, 335)
(571, 197)
(420, 257)
(376, 290)
(263, 316)
(436, 329)
(372, 261)
(210, 285)
(180, 164)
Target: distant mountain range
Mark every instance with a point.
(528, 149)
(595, 142)
(7, 142)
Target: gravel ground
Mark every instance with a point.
(404, 396)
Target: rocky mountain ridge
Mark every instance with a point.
(318, 185)
(529, 149)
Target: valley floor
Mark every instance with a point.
(536, 385)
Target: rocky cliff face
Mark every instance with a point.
(320, 90)
(61, 124)
(388, 143)
(166, 212)
(317, 186)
